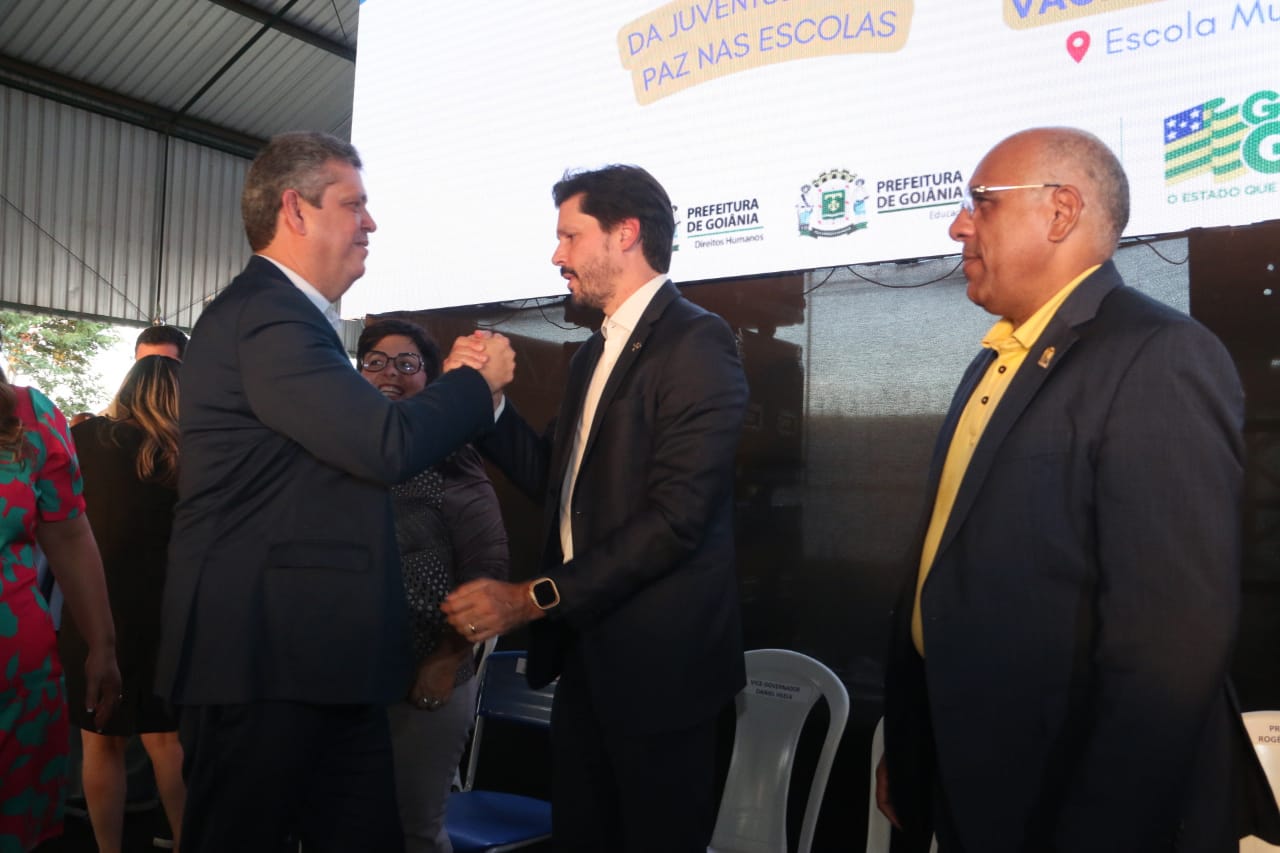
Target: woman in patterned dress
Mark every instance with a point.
(40, 503)
(449, 530)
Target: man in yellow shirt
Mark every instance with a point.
(1058, 674)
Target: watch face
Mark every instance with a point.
(544, 592)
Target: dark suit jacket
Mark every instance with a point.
(1080, 613)
(650, 599)
(284, 578)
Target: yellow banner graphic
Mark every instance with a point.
(684, 44)
(1024, 14)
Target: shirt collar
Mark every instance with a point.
(625, 319)
(1003, 337)
(327, 308)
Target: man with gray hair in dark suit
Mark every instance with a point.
(285, 623)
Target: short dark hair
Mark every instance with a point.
(379, 329)
(159, 335)
(619, 192)
(291, 161)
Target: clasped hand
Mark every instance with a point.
(488, 352)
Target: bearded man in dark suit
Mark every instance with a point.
(637, 610)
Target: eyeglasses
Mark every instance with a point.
(968, 201)
(406, 363)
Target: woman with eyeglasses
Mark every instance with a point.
(130, 466)
(449, 529)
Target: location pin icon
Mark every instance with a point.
(1078, 44)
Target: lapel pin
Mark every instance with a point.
(635, 347)
(1046, 356)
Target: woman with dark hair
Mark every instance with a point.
(449, 529)
(130, 465)
(40, 503)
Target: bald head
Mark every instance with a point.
(1067, 155)
(1047, 204)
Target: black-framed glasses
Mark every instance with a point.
(970, 193)
(406, 363)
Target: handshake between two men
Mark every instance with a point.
(487, 608)
(488, 352)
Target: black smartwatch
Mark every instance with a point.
(544, 594)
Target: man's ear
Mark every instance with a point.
(291, 212)
(628, 231)
(1068, 204)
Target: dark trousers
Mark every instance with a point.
(636, 794)
(944, 825)
(264, 776)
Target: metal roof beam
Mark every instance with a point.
(300, 33)
(67, 90)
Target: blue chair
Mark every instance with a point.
(495, 821)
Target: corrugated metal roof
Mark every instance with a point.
(137, 218)
(224, 73)
(78, 200)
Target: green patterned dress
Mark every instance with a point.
(42, 485)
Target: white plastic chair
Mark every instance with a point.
(782, 688)
(879, 830)
(1264, 731)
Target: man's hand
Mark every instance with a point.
(500, 368)
(468, 351)
(883, 801)
(488, 352)
(485, 608)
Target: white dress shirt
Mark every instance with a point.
(617, 331)
(327, 308)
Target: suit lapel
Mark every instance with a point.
(261, 266)
(631, 351)
(1047, 355)
(581, 366)
(972, 376)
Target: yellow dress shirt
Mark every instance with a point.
(1011, 346)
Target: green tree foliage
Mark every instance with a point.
(55, 354)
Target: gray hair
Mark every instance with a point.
(291, 161)
(1085, 153)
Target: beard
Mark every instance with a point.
(597, 282)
